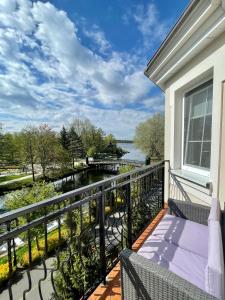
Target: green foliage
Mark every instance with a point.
(4, 272)
(82, 269)
(92, 151)
(64, 138)
(46, 147)
(76, 148)
(11, 177)
(27, 182)
(94, 141)
(36, 148)
(125, 169)
(149, 136)
(29, 147)
(10, 148)
(27, 196)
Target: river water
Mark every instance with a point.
(134, 153)
(90, 176)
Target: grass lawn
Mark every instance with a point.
(11, 177)
(15, 185)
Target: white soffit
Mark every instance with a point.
(154, 69)
(211, 34)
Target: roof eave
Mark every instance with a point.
(175, 28)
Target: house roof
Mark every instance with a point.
(200, 24)
(173, 31)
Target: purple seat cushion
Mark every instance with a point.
(215, 211)
(186, 234)
(214, 271)
(185, 264)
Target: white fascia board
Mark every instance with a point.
(185, 37)
(215, 31)
(194, 27)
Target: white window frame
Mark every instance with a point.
(193, 169)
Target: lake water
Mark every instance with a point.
(134, 153)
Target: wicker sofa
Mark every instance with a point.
(172, 262)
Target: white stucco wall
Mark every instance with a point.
(210, 63)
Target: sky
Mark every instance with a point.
(67, 59)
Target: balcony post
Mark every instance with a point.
(101, 211)
(166, 180)
(163, 184)
(129, 214)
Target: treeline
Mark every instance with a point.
(149, 136)
(42, 147)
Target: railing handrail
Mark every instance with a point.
(8, 216)
(89, 229)
(117, 160)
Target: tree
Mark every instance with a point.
(64, 138)
(75, 145)
(10, 148)
(30, 144)
(149, 136)
(46, 147)
(89, 134)
(26, 196)
(91, 151)
(1, 144)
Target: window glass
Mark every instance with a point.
(208, 128)
(193, 153)
(198, 126)
(199, 104)
(206, 153)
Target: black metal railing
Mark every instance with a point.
(64, 247)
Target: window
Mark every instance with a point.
(197, 127)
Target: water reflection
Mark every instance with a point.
(134, 153)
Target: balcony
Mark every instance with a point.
(68, 247)
(69, 243)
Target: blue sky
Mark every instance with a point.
(65, 59)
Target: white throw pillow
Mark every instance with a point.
(214, 271)
(215, 211)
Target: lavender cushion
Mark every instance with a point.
(215, 211)
(214, 271)
(185, 264)
(188, 235)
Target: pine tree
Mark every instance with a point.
(76, 148)
(64, 138)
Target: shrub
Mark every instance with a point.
(36, 256)
(53, 241)
(80, 273)
(4, 273)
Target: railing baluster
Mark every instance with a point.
(129, 215)
(101, 212)
(9, 245)
(46, 233)
(163, 185)
(59, 226)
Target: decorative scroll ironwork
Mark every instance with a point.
(73, 240)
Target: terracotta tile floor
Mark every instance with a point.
(112, 291)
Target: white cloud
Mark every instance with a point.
(98, 37)
(149, 24)
(47, 75)
(155, 104)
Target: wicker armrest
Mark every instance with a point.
(143, 279)
(190, 211)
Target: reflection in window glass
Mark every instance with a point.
(197, 126)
